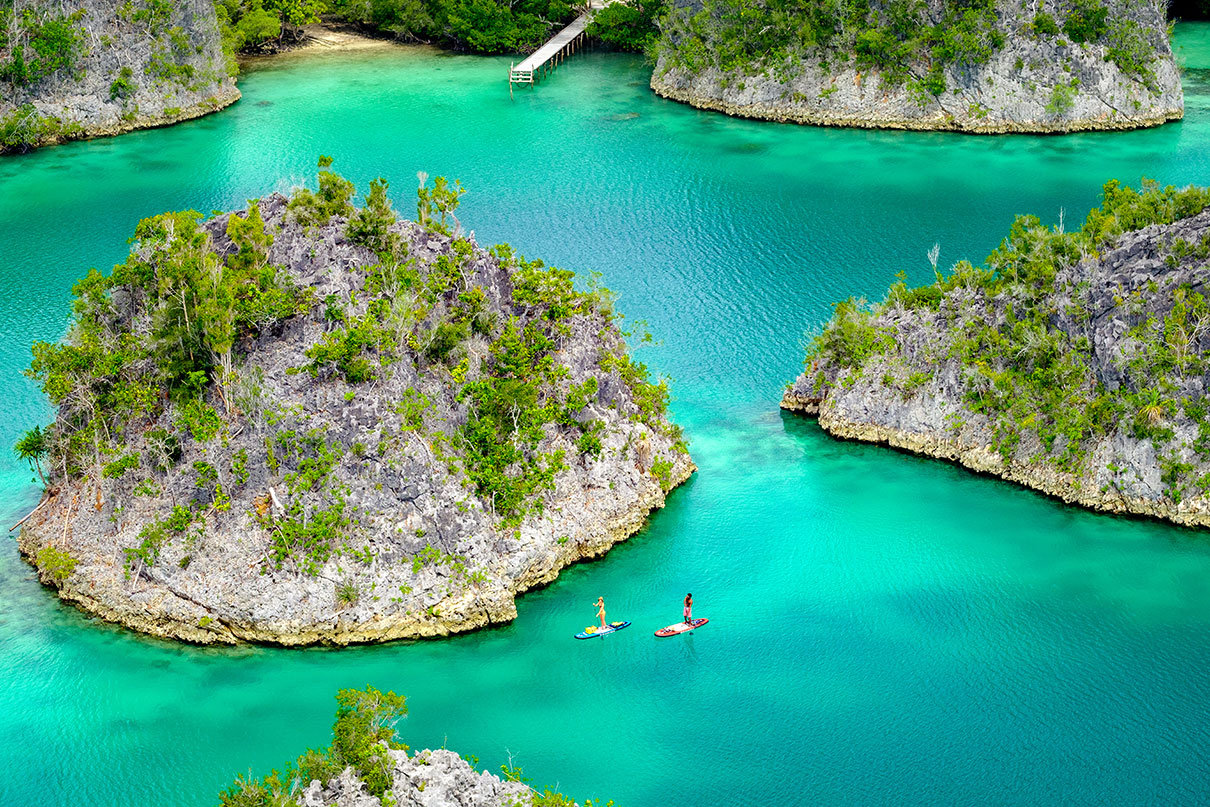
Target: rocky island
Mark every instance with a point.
(367, 766)
(987, 66)
(1075, 363)
(308, 423)
(80, 68)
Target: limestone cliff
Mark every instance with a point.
(988, 66)
(1077, 363)
(81, 68)
(309, 423)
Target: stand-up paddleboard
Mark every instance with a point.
(681, 627)
(593, 631)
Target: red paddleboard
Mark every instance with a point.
(681, 627)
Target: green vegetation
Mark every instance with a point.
(509, 407)
(308, 535)
(155, 535)
(440, 201)
(120, 466)
(33, 446)
(514, 401)
(661, 469)
(851, 336)
(154, 370)
(628, 24)
(114, 375)
(906, 42)
(740, 38)
(1087, 21)
(363, 736)
(24, 128)
(37, 43)
(344, 350)
(480, 26)
(172, 50)
(250, 25)
(347, 593)
(1022, 337)
(1045, 25)
(56, 563)
(313, 208)
(123, 86)
(1062, 98)
(1128, 47)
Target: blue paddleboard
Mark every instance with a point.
(593, 631)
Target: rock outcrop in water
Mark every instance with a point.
(366, 766)
(81, 68)
(989, 66)
(311, 424)
(429, 778)
(1077, 364)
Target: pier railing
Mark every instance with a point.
(556, 49)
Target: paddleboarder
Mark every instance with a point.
(687, 624)
(601, 611)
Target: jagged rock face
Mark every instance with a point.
(413, 548)
(437, 778)
(1033, 82)
(137, 64)
(1127, 431)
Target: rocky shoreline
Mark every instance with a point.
(117, 67)
(158, 607)
(223, 98)
(983, 459)
(1084, 378)
(1034, 82)
(706, 92)
(398, 454)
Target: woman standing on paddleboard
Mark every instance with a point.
(688, 608)
(601, 610)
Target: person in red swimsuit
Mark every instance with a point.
(688, 609)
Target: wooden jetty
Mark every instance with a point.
(558, 48)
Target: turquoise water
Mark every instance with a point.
(884, 629)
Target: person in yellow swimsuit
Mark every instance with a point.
(601, 610)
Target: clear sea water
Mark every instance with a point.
(884, 629)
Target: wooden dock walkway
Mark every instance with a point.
(562, 44)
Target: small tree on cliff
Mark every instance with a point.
(32, 447)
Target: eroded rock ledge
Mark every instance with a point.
(1082, 377)
(410, 431)
(1014, 67)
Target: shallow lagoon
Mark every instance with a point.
(884, 629)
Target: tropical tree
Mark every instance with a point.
(1154, 408)
(32, 447)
